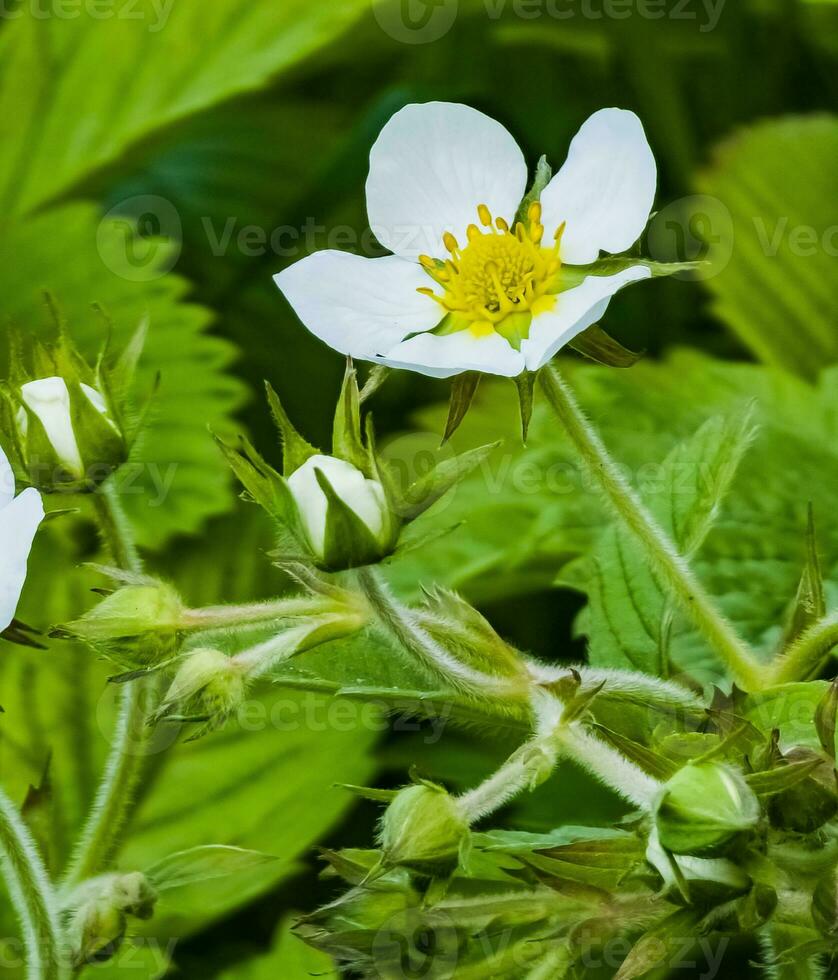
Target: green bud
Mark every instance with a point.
(703, 807)
(810, 803)
(138, 626)
(208, 687)
(96, 914)
(423, 828)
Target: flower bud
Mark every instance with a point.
(138, 626)
(423, 828)
(68, 438)
(96, 915)
(703, 807)
(345, 516)
(208, 687)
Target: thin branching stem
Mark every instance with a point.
(661, 552)
(123, 769)
(32, 896)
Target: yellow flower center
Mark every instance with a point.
(500, 279)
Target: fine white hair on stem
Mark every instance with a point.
(641, 687)
(608, 766)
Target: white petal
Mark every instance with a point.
(49, 399)
(7, 480)
(575, 311)
(605, 190)
(442, 357)
(430, 168)
(19, 521)
(356, 305)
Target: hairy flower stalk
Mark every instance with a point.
(32, 895)
(401, 623)
(123, 769)
(671, 566)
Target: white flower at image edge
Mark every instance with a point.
(19, 520)
(468, 288)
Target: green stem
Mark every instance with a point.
(672, 567)
(805, 657)
(32, 895)
(225, 616)
(123, 769)
(402, 626)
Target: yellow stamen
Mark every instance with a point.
(498, 273)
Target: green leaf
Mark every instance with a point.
(790, 708)
(50, 66)
(630, 617)
(202, 863)
(776, 289)
(176, 478)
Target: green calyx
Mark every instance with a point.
(424, 829)
(65, 422)
(343, 510)
(703, 807)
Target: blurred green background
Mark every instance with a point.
(167, 158)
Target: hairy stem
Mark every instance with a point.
(662, 553)
(224, 616)
(32, 895)
(805, 657)
(123, 769)
(402, 626)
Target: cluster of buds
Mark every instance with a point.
(65, 424)
(343, 510)
(96, 914)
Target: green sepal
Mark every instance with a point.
(463, 389)
(571, 276)
(295, 449)
(525, 386)
(425, 491)
(543, 176)
(369, 793)
(381, 472)
(267, 488)
(347, 442)
(784, 777)
(100, 441)
(375, 379)
(595, 344)
(810, 601)
(515, 328)
(825, 719)
(349, 543)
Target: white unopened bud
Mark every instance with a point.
(364, 497)
(49, 400)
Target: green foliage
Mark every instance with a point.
(775, 288)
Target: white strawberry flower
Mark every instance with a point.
(469, 288)
(19, 520)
